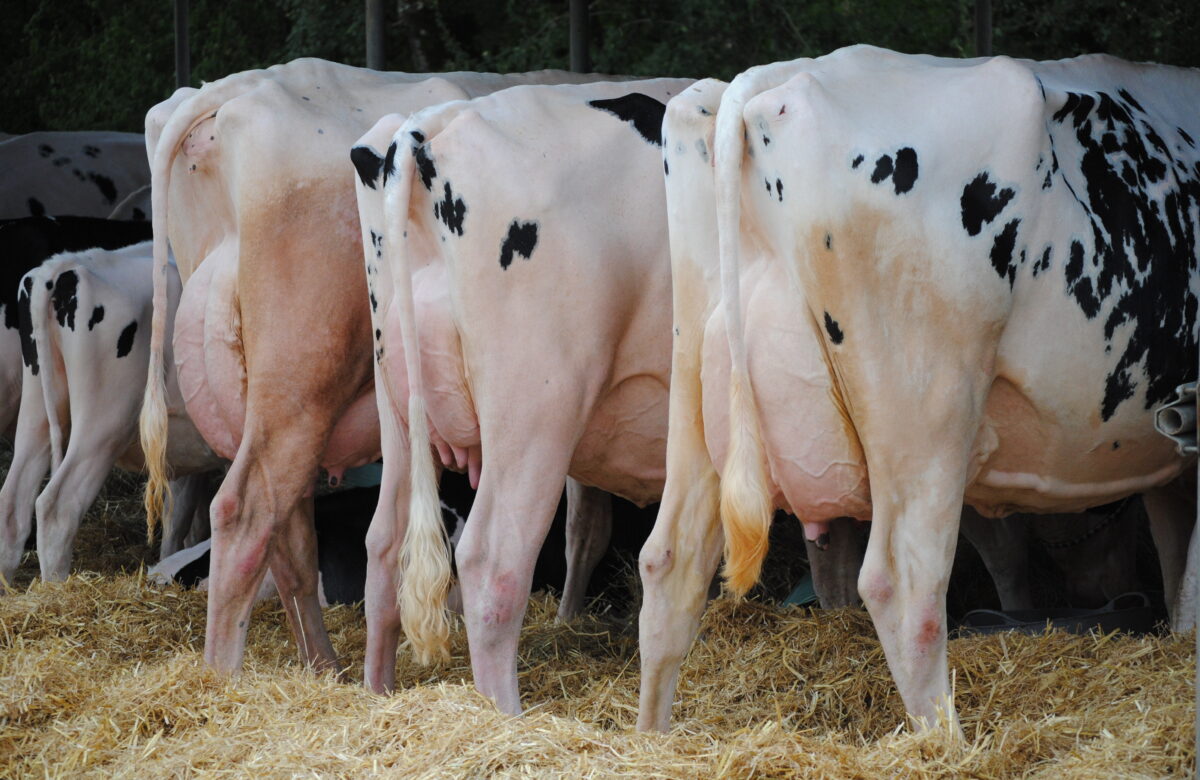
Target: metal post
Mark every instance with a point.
(983, 28)
(374, 25)
(183, 55)
(580, 62)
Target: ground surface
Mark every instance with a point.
(102, 676)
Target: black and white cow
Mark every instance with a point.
(981, 278)
(84, 174)
(24, 244)
(84, 319)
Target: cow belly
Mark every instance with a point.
(1036, 457)
(623, 450)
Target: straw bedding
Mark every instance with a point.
(102, 676)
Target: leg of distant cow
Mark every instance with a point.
(512, 513)
(384, 538)
(188, 493)
(835, 568)
(1172, 513)
(293, 562)
(589, 529)
(70, 491)
(1003, 544)
(31, 459)
(200, 527)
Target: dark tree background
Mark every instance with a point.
(100, 64)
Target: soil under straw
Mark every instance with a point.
(102, 676)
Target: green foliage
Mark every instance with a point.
(104, 63)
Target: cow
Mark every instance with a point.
(251, 189)
(24, 244)
(518, 269)
(83, 174)
(981, 277)
(85, 317)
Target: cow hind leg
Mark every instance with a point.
(293, 563)
(256, 503)
(677, 565)
(68, 494)
(589, 529)
(31, 459)
(190, 493)
(1003, 544)
(1171, 510)
(384, 538)
(512, 513)
(903, 584)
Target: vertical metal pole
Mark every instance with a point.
(183, 55)
(580, 62)
(983, 28)
(374, 25)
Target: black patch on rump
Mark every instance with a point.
(905, 175)
(450, 211)
(96, 318)
(91, 151)
(1142, 205)
(425, 166)
(883, 169)
(64, 299)
(642, 111)
(521, 239)
(857, 161)
(125, 340)
(368, 164)
(36, 209)
(835, 332)
(29, 355)
(981, 203)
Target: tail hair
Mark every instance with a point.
(425, 552)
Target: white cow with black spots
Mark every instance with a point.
(85, 320)
(82, 174)
(979, 277)
(252, 190)
(518, 267)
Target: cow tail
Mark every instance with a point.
(39, 315)
(746, 503)
(153, 421)
(425, 552)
